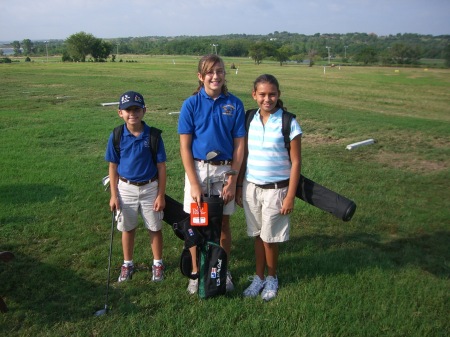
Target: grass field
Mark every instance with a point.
(384, 273)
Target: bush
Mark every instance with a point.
(5, 60)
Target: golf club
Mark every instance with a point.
(221, 178)
(226, 174)
(104, 311)
(105, 182)
(209, 156)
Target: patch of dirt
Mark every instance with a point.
(319, 139)
(409, 163)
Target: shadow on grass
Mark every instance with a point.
(40, 294)
(29, 193)
(321, 255)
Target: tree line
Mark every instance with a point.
(280, 46)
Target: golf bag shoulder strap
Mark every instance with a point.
(155, 134)
(285, 124)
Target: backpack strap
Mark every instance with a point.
(285, 125)
(117, 135)
(286, 128)
(155, 134)
(249, 114)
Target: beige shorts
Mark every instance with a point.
(135, 200)
(262, 213)
(216, 188)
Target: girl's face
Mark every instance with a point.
(266, 96)
(213, 80)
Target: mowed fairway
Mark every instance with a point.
(384, 273)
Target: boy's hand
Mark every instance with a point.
(160, 203)
(114, 204)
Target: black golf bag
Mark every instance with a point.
(211, 258)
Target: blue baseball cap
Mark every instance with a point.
(131, 98)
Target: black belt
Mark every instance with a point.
(215, 162)
(138, 183)
(271, 186)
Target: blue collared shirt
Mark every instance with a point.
(213, 124)
(135, 162)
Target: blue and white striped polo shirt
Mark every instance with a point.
(268, 160)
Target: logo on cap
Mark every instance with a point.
(131, 98)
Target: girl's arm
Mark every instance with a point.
(229, 190)
(296, 160)
(188, 163)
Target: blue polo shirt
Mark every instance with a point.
(135, 162)
(213, 124)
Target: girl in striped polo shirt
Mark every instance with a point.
(267, 183)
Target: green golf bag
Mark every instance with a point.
(211, 257)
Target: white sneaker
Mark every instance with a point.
(255, 287)
(230, 285)
(270, 288)
(192, 286)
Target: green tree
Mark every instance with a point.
(297, 58)
(283, 53)
(80, 45)
(101, 50)
(16, 47)
(312, 56)
(366, 55)
(447, 55)
(405, 54)
(257, 53)
(27, 46)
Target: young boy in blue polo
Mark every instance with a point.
(137, 184)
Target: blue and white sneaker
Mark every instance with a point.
(255, 287)
(270, 288)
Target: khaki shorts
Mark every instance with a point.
(216, 188)
(262, 213)
(138, 199)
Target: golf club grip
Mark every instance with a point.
(325, 199)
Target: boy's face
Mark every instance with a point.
(132, 115)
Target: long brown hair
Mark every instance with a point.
(205, 64)
(267, 78)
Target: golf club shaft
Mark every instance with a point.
(109, 258)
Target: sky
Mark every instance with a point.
(58, 19)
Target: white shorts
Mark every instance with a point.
(262, 212)
(138, 199)
(216, 188)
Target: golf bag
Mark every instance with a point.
(325, 199)
(211, 258)
(308, 190)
